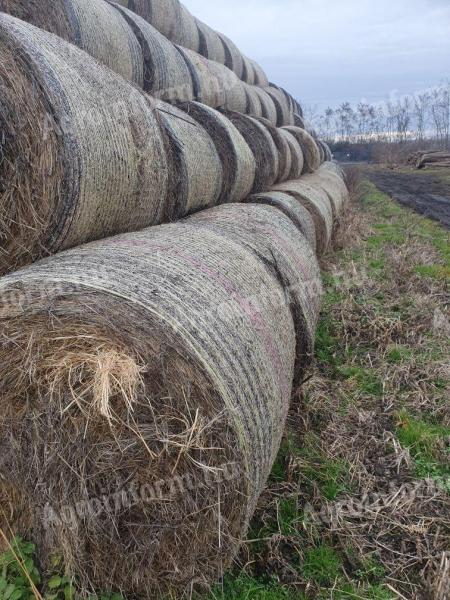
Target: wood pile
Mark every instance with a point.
(426, 158)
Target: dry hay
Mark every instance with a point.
(166, 74)
(195, 177)
(164, 15)
(333, 184)
(311, 154)
(147, 363)
(268, 109)
(291, 208)
(297, 159)
(284, 150)
(248, 72)
(327, 151)
(284, 114)
(253, 106)
(260, 78)
(321, 149)
(208, 89)
(317, 202)
(263, 147)
(83, 154)
(92, 25)
(236, 96)
(186, 32)
(233, 57)
(238, 162)
(210, 45)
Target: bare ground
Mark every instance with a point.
(426, 192)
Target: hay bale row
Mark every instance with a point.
(135, 49)
(162, 369)
(96, 27)
(323, 194)
(311, 153)
(111, 159)
(237, 160)
(262, 145)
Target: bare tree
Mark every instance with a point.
(421, 110)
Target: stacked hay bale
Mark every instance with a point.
(107, 165)
(164, 50)
(157, 365)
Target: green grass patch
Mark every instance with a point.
(399, 354)
(330, 476)
(439, 272)
(428, 444)
(321, 565)
(366, 380)
(249, 588)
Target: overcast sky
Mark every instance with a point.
(329, 51)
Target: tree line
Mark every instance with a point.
(422, 116)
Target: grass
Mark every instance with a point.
(372, 419)
(336, 521)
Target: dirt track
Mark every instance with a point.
(425, 193)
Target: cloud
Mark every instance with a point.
(327, 51)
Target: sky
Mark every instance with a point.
(326, 52)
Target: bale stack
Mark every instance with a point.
(145, 378)
(161, 48)
(107, 165)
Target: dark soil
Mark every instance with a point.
(426, 193)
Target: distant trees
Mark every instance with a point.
(424, 116)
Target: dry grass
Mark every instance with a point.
(359, 501)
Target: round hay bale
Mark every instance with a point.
(196, 176)
(333, 184)
(291, 208)
(210, 44)
(321, 150)
(327, 151)
(284, 150)
(316, 201)
(268, 108)
(92, 25)
(102, 165)
(236, 96)
(164, 15)
(161, 378)
(298, 108)
(263, 148)
(299, 121)
(238, 162)
(248, 72)
(166, 74)
(309, 147)
(186, 33)
(206, 85)
(233, 57)
(260, 78)
(253, 106)
(297, 159)
(230, 86)
(284, 115)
